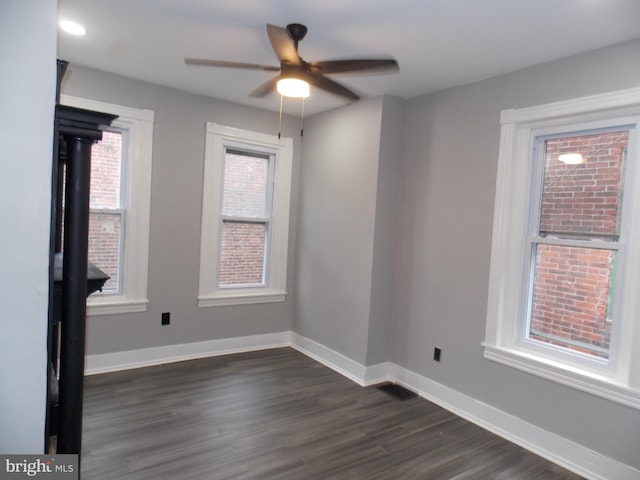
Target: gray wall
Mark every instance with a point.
(349, 196)
(384, 242)
(27, 97)
(176, 196)
(444, 241)
(336, 224)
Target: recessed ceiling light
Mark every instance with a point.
(72, 27)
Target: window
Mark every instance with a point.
(246, 211)
(106, 216)
(576, 240)
(564, 264)
(120, 196)
(245, 217)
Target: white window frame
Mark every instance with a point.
(217, 139)
(134, 263)
(617, 379)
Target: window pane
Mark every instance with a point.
(106, 158)
(104, 246)
(242, 253)
(572, 298)
(584, 199)
(245, 185)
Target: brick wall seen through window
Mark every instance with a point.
(246, 211)
(572, 287)
(105, 221)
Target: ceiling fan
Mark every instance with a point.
(284, 42)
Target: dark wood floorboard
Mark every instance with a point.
(277, 414)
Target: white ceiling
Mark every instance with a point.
(438, 43)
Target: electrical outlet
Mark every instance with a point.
(166, 318)
(436, 353)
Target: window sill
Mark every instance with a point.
(224, 299)
(586, 381)
(116, 305)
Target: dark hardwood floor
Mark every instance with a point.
(277, 414)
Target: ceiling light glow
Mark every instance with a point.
(293, 87)
(571, 158)
(73, 28)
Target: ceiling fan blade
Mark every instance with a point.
(222, 63)
(283, 44)
(266, 88)
(373, 65)
(330, 86)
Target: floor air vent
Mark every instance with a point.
(396, 391)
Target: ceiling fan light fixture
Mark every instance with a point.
(293, 87)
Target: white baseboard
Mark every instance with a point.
(354, 371)
(379, 373)
(146, 357)
(559, 450)
(351, 369)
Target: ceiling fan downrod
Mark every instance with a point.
(297, 31)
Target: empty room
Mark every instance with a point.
(420, 264)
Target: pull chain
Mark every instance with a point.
(302, 120)
(280, 120)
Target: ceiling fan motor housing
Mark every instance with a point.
(297, 31)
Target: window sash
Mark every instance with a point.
(123, 170)
(270, 158)
(265, 255)
(589, 241)
(589, 360)
(257, 219)
(116, 287)
(113, 287)
(537, 174)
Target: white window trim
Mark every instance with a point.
(135, 265)
(218, 137)
(618, 381)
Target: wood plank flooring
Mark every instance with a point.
(277, 414)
